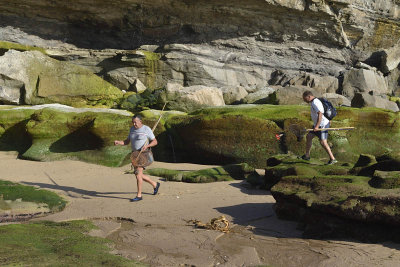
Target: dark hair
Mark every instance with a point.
(137, 116)
(307, 93)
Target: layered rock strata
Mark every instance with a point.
(214, 43)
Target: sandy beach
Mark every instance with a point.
(156, 230)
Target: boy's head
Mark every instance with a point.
(308, 96)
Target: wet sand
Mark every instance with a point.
(157, 231)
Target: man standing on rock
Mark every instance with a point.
(139, 135)
(320, 121)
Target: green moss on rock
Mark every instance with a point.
(152, 67)
(228, 139)
(385, 180)
(350, 197)
(223, 173)
(51, 81)
(5, 46)
(280, 166)
(86, 136)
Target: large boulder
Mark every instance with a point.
(361, 100)
(10, 90)
(393, 81)
(337, 100)
(364, 81)
(261, 96)
(47, 80)
(138, 86)
(322, 84)
(123, 78)
(192, 97)
(292, 95)
(390, 59)
(233, 94)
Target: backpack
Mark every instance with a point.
(329, 110)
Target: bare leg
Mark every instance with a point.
(309, 139)
(139, 179)
(147, 179)
(324, 144)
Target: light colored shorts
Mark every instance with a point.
(322, 135)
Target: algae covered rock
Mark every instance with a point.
(54, 133)
(385, 179)
(226, 139)
(385, 165)
(330, 203)
(365, 160)
(137, 102)
(339, 206)
(280, 166)
(47, 80)
(223, 173)
(219, 135)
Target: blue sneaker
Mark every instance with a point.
(156, 189)
(136, 199)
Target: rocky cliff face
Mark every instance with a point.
(215, 43)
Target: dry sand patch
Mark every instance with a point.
(159, 233)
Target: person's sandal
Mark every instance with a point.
(136, 199)
(156, 189)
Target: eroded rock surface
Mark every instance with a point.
(214, 43)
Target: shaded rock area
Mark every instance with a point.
(337, 201)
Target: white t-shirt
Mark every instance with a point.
(139, 136)
(316, 105)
